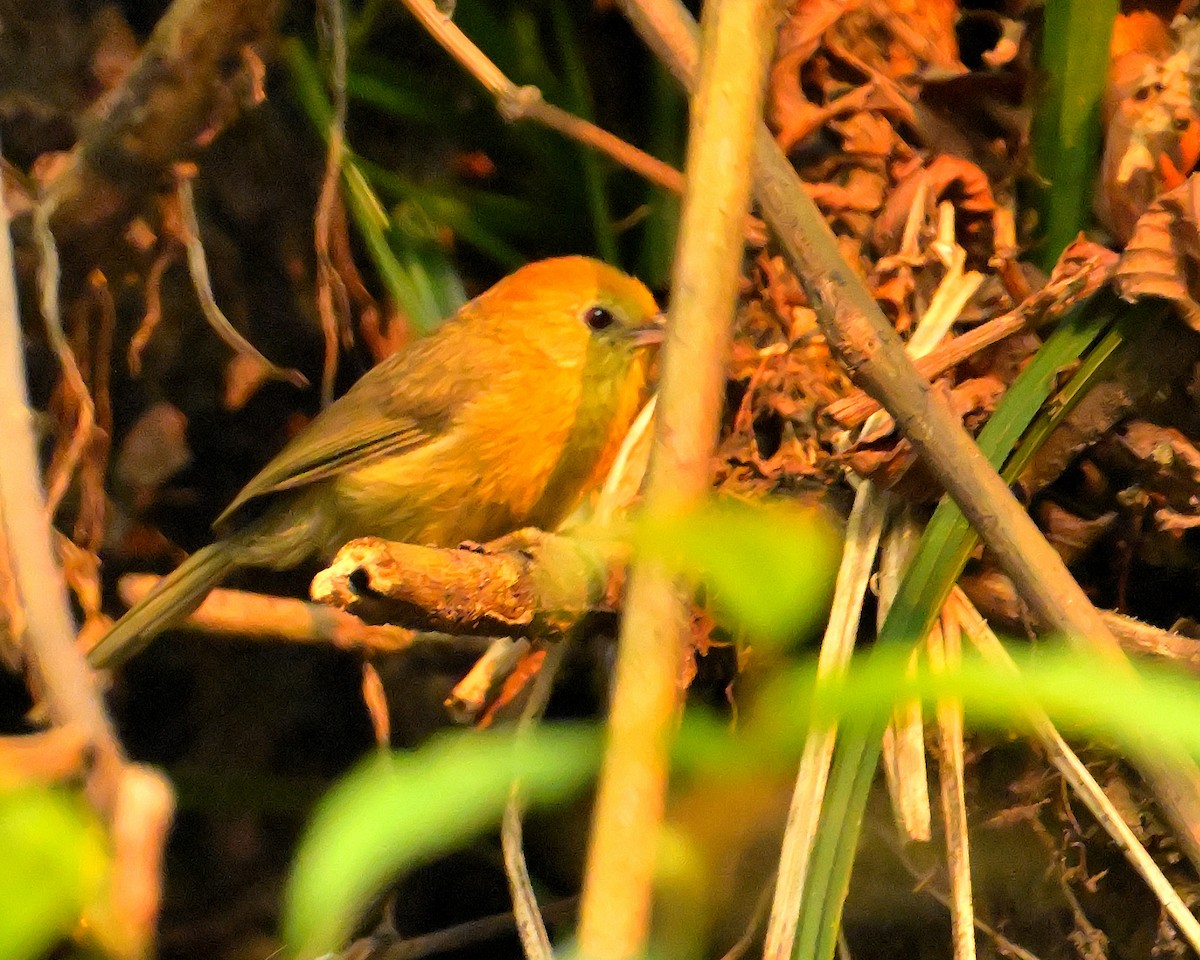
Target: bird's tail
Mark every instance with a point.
(175, 596)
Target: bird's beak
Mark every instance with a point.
(650, 334)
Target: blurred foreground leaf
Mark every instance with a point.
(54, 864)
(769, 568)
(393, 812)
(1153, 711)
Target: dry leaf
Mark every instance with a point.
(1162, 258)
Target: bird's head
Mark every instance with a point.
(576, 312)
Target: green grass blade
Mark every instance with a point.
(408, 277)
(665, 136)
(943, 551)
(579, 102)
(1066, 129)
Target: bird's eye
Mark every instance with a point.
(599, 318)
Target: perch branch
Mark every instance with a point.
(615, 907)
(531, 584)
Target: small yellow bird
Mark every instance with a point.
(501, 419)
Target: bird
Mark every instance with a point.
(502, 418)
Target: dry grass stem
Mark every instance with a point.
(858, 558)
(854, 573)
(904, 740)
(531, 926)
(198, 266)
(945, 653)
(628, 468)
(1082, 782)
(618, 883)
(526, 103)
(904, 763)
(62, 471)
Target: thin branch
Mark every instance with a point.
(530, 584)
(860, 334)
(470, 695)
(925, 884)
(526, 103)
(275, 619)
(615, 909)
(455, 938)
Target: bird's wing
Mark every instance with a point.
(396, 407)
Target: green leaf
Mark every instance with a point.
(769, 568)
(55, 861)
(393, 812)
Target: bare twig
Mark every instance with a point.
(993, 594)
(67, 684)
(452, 938)
(926, 886)
(860, 334)
(521, 103)
(469, 696)
(198, 265)
(614, 912)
